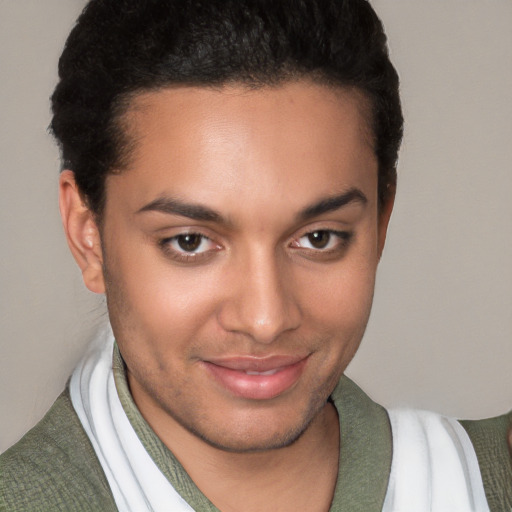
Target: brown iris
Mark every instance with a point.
(189, 242)
(319, 239)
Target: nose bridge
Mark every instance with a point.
(262, 304)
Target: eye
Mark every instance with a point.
(188, 247)
(323, 240)
(191, 243)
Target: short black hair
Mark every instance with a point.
(121, 47)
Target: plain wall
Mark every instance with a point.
(440, 336)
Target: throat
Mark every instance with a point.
(301, 476)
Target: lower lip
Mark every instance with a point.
(257, 387)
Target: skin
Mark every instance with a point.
(268, 278)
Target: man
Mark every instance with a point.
(230, 177)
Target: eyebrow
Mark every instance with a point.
(333, 203)
(173, 206)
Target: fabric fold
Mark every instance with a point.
(135, 481)
(434, 466)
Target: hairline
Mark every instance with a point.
(126, 103)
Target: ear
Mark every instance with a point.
(384, 216)
(82, 232)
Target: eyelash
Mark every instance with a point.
(343, 241)
(184, 256)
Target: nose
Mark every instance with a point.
(262, 301)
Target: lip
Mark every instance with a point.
(268, 377)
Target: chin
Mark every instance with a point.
(252, 441)
(253, 432)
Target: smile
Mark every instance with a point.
(256, 379)
(268, 372)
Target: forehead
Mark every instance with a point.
(300, 139)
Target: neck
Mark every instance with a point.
(301, 476)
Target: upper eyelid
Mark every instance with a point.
(345, 237)
(328, 230)
(184, 232)
(342, 233)
(169, 239)
(324, 225)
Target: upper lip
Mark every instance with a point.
(256, 364)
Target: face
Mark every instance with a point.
(240, 248)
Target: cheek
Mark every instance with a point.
(342, 299)
(338, 310)
(157, 304)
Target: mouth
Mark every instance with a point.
(268, 372)
(256, 378)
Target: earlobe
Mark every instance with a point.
(384, 217)
(82, 232)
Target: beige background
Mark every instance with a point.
(441, 332)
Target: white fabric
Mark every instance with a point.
(135, 480)
(434, 466)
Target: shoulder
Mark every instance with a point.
(490, 441)
(54, 467)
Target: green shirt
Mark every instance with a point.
(54, 466)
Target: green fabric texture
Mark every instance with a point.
(161, 455)
(54, 468)
(489, 438)
(365, 449)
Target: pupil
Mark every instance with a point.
(189, 242)
(319, 239)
